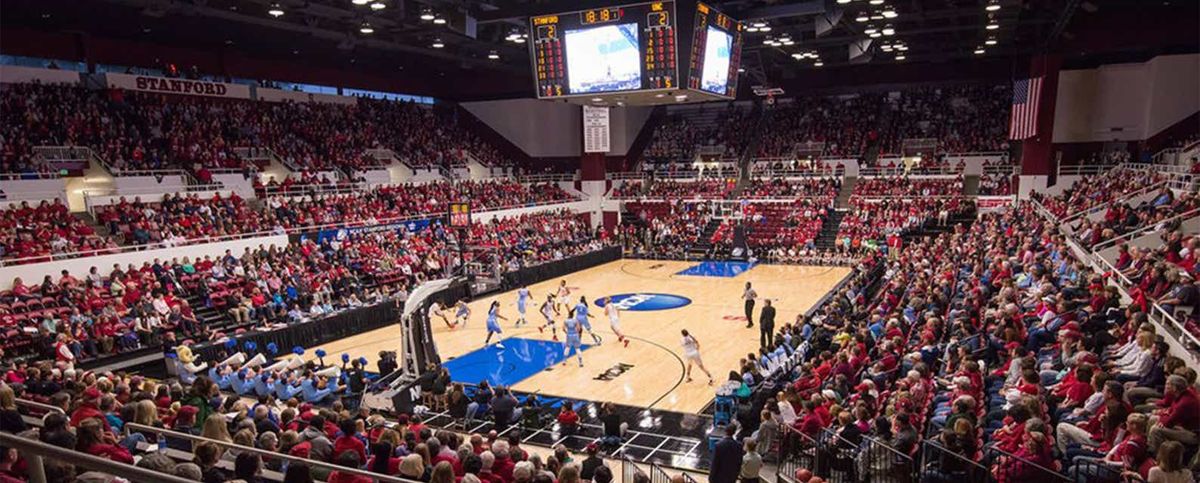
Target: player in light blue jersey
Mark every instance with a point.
(522, 298)
(581, 313)
(493, 325)
(573, 329)
(462, 314)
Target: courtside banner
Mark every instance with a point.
(183, 87)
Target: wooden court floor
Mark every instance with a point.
(714, 317)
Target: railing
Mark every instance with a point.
(904, 170)
(36, 453)
(1085, 169)
(630, 473)
(1070, 218)
(548, 178)
(166, 433)
(29, 175)
(41, 408)
(253, 153)
(839, 460)
(941, 465)
(315, 189)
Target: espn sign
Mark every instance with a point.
(183, 87)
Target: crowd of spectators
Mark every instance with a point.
(842, 125)
(995, 184)
(677, 137)
(69, 319)
(904, 186)
(824, 189)
(1122, 218)
(992, 349)
(664, 229)
(180, 219)
(1091, 191)
(698, 189)
(968, 118)
(147, 131)
(870, 223)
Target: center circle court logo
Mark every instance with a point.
(644, 302)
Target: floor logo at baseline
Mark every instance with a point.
(642, 302)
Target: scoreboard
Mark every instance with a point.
(716, 52)
(605, 50)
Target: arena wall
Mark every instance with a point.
(1126, 102)
(553, 129)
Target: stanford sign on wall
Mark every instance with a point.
(184, 87)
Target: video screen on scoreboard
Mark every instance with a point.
(603, 50)
(716, 52)
(717, 48)
(604, 59)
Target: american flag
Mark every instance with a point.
(1023, 124)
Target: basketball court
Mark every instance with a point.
(660, 299)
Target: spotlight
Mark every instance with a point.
(875, 35)
(870, 30)
(843, 2)
(797, 56)
(990, 41)
(900, 57)
(366, 28)
(439, 21)
(493, 55)
(889, 31)
(979, 51)
(520, 39)
(378, 6)
(426, 14)
(992, 6)
(876, 2)
(818, 64)
(437, 44)
(275, 10)
(862, 18)
(993, 26)
(759, 24)
(788, 42)
(765, 28)
(752, 29)
(360, 2)
(890, 12)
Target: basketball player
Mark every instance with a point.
(462, 314)
(749, 295)
(522, 296)
(493, 326)
(563, 300)
(436, 308)
(581, 313)
(614, 319)
(691, 353)
(548, 312)
(573, 330)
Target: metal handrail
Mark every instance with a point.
(38, 405)
(141, 428)
(36, 451)
(1087, 211)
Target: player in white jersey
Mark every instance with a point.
(548, 312)
(564, 294)
(573, 330)
(436, 309)
(614, 319)
(691, 354)
(522, 298)
(581, 313)
(462, 314)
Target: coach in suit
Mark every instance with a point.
(766, 324)
(726, 459)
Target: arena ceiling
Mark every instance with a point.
(833, 40)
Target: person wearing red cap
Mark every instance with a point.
(89, 408)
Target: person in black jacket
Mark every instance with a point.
(766, 325)
(726, 459)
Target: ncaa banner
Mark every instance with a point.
(412, 226)
(992, 204)
(183, 87)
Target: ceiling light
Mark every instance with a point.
(366, 28)
(900, 57)
(493, 55)
(890, 13)
(519, 40)
(766, 28)
(843, 2)
(875, 35)
(992, 6)
(876, 2)
(993, 26)
(439, 21)
(979, 51)
(759, 24)
(275, 10)
(818, 64)
(870, 30)
(427, 14)
(877, 16)
(862, 18)
(378, 6)
(740, 69)
(990, 41)
(889, 31)
(437, 44)
(886, 48)
(752, 29)
(797, 56)
(360, 2)
(788, 42)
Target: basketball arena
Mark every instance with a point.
(514, 241)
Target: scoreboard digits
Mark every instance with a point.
(711, 22)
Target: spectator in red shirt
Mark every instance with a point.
(1180, 420)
